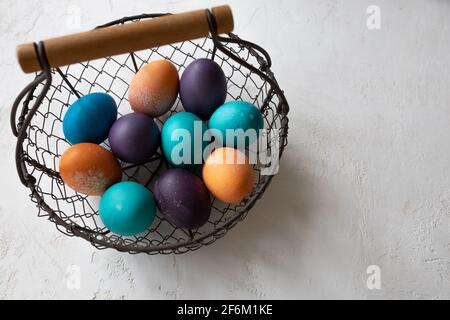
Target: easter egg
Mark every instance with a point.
(239, 116)
(182, 198)
(182, 139)
(154, 88)
(89, 118)
(203, 88)
(228, 175)
(134, 138)
(89, 168)
(127, 208)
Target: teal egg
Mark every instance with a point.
(237, 116)
(90, 118)
(182, 139)
(127, 208)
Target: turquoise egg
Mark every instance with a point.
(235, 115)
(127, 208)
(90, 118)
(182, 139)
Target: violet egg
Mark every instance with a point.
(134, 138)
(182, 198)
(203, 88)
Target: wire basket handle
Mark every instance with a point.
(120, 39)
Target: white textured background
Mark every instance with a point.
(365, 178)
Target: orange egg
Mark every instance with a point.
(154, 88)
(228, 175)
(89, 169)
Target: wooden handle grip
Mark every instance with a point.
(119, 39)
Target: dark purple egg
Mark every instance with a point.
(134, 138)
(182, 198)
(203, 88)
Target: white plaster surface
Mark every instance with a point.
(365, 179)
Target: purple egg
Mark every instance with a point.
(182, 198)
(203, 88)
(134, 138)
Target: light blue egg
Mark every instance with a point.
(127, 208)
(182, 139)
(235, 115)
(90, 118)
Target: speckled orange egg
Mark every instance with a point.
(228, 175)
(154, 88)
(89, 169)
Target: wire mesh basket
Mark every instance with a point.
(40, 143)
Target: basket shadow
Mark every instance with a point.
(277, 228)
(288, 201)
